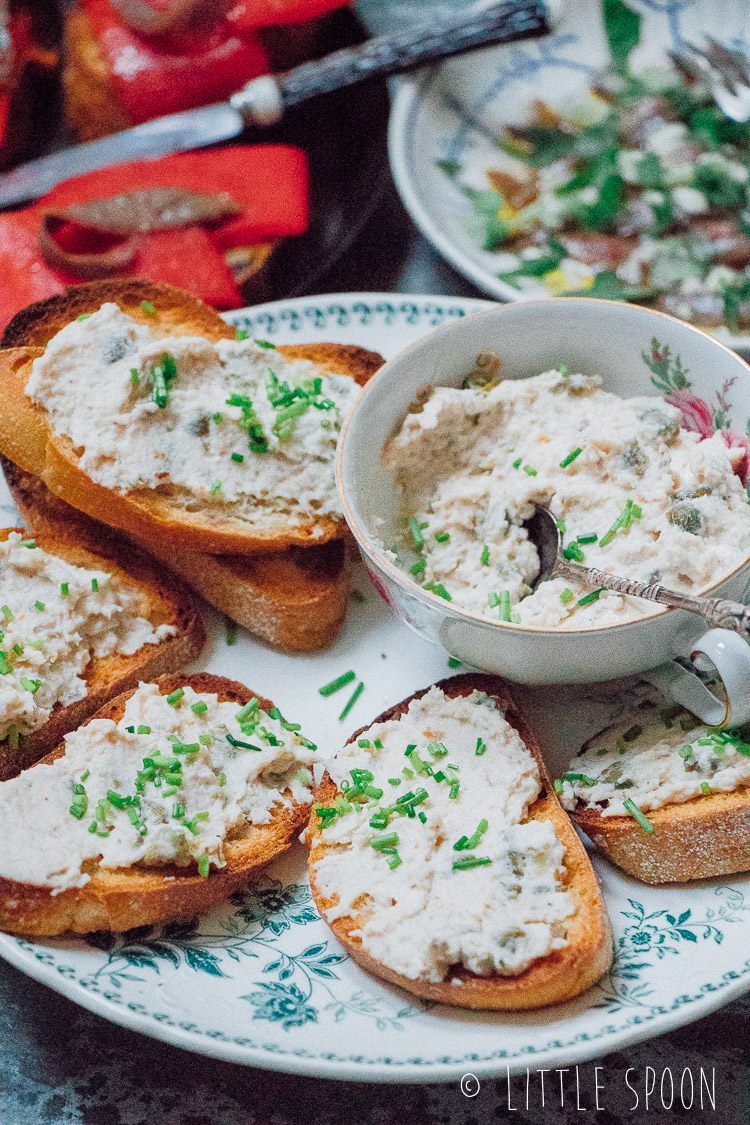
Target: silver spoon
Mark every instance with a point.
(544, 534)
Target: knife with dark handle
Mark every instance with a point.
(264, 100)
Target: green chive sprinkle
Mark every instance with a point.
(238, 457)
(416, 532)
(215, 487)
(222, 778)
(40, 606)
(705, 789)
(378, 744)
(7, 615)
(199, 708)
(95, 585)
(594, 596)
(590, 538)
(144, 730)
(240, 335)
(571, 457)
(439, 589)
(517, 463)
(529, 471)
(481, 748)
(380, 842)
(485, 559)
(18, 650)
(230, 631)
(443, 537)
(175, 696)
(364, 743)
(83, 316)
(418, 568)
(352, 700)
(467, 861)
(564, 370)
(567, 596)
(30, 543)
(30, 685)
(634, 811)
(686, 751)
(134, 377)
(582, 777)
(394, 780)
(265, 344)
(203, 865)
(573, 552)
(64, 589)
(148, 308)
(559, 785)
(337, 684)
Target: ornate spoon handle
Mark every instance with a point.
(263, 101)
(721, 613)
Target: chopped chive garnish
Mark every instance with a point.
(249, 709)
(242, 745)
(95, 585)
(265, 344)
(453, 662)
(416, 532)
(18, 650)
(418, 567)
(590, 538)
(582, 777)
(83, 316)
(199, 708)
(559, 785)
(364, 743)
(394, 781)
(143, 730)
(439, 589)
(564, 370)
(175, 696)
(204, 864)
(241, 335)
(630, 512)
(64, 589)
(40, 606)
(148, 308)
(571, 457)
(230, 631)
(352, 700)
(468, 843)
(517, 463)
(215, 487)
(85, 776)
(238, 457)
(567, 596)
(467, 861)
(529, 471)
(30, 685)
(378, 744)
(205, 739)
(178, 811)
(485, 558)
(705, 789)
(635, 812)
(686, 751)
(594, 596)
(380, 842)
(443, 537)
(573, 552)
(30, 543)
(222, 778)
(437, 749)
(481, 748)
(130, 730)
(134, 377)
(337, 684)
(7, 615)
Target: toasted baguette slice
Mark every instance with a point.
(294, 599)
(118, 899)
(561, 975)
(27, 440)
(699, 839)
(106, 677)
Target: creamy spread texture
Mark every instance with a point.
(467, 880)
(196, 774)
(230, 429)
(632, 491)
(54, 618)
(660, 756)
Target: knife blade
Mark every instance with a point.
(176, 133)
(263, 100)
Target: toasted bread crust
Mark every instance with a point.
(700, 839)
(561, 975)
(294, 599)
(122, 898)
(27, 440)
(106, 677)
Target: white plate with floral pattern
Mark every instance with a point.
(262, 981)
(450, 115)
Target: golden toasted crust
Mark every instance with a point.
(106, 677)
(294, 599)
(561, 975)
(121, 898)
(700, 839)
(26, 439)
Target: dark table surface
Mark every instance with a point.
(61, 1065)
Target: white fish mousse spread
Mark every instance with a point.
(168, 783)
(632, 491)
(54, 618)
(231, 428)
(430, 844)
(661, 756)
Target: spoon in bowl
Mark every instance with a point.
(544, 534)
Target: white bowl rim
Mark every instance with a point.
(401, 578)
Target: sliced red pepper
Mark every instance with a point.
(269, 182)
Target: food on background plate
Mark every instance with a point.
(632, 490)
(639, 191)
(207, 221)
(128, 61)
(295, 598)
(79, 624)
(443, 862)
(29, 64)
(157, 808)
(664, 796)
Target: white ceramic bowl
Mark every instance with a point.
(592, 336)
